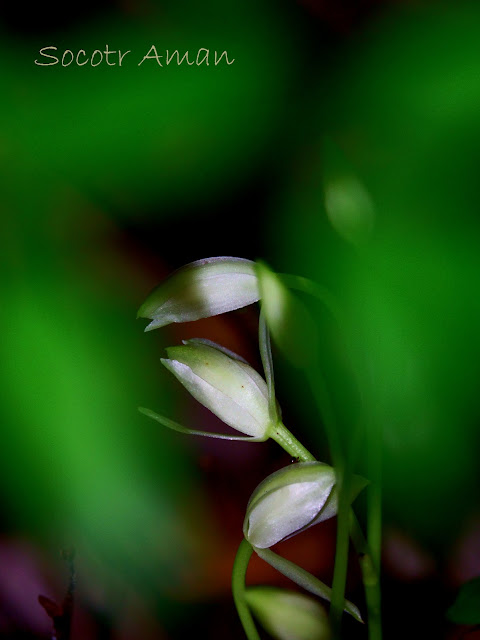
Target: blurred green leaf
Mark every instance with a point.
(131, 134)
(78, 460)
(466, 608)
(405, 365)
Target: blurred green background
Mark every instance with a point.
(343, 145)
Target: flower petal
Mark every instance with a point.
(201, 289)
(287, 502)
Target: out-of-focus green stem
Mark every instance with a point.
(374, 531)
(341, 552)
(348, 526)
(344, 513)
(374, 507)
(370, 578)
(369, 554)
(321, 395)
(372, 594)
(238, 589)
(288, 442)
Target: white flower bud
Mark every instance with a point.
(288, 615)
(292, 500)
(224, 383)
(201, 289)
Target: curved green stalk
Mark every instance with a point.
(303, 578)
(347, 526)
(267, 362)
(342, 468)
(313, 289)
(369, 554)
(240, 565)
(370, 577)
(288, 442)
(325, 409)
(344, 514)
(175, 426)
(279, 431)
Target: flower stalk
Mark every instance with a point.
(239, 571)
(303, 494)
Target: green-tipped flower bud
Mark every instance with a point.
(224, 383)
(288, 615)
(292, 500)
(201, 289)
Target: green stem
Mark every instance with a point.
(347, 526)
(343, 465)
(374, 506)
(321, 395)
(267, 362)
(372, 595)
(238, 589)
(370, 577)
(289, 443)
(286, 440)
(356, 534)
(374, 531)
(344, 513)
(341, 553)
(369, 554)
(303, 578)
